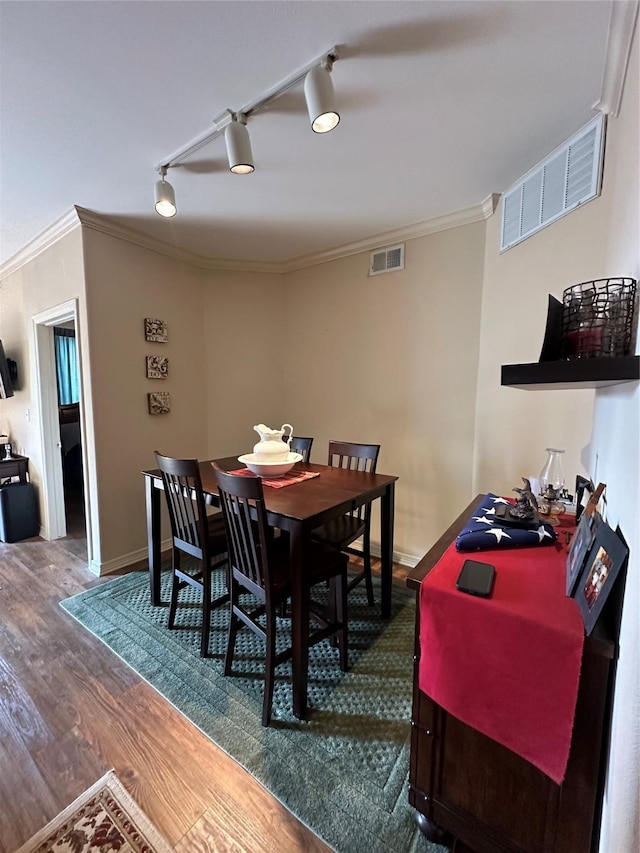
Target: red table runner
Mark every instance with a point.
(508, 666)
(287, 479)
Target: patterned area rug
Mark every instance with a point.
(104, 818)
(343, 771)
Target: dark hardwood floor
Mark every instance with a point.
(70, 710)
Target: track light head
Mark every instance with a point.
(318, 92)
(238, 143)
(165, 196)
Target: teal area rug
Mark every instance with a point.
(343, 771)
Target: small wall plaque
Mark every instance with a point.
(155, 330)
(157, 367)
(159, 403)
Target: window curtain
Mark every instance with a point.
(66, 366)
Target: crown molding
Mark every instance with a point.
(619, 42)
(104, 225)
(67, 223)
(490, 204)
(477, 213)
(90, 219)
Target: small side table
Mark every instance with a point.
(17, 466)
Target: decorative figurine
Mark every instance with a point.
(526, 507)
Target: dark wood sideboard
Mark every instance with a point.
(17, 466)
(470, 789)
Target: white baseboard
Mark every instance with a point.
(408, 560)
(141, 555)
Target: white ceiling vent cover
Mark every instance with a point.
(386, 260)
(570, 176)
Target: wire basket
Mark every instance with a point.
(597, 318)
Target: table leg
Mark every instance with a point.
(152, 499)
(386, 544)
(299, 624)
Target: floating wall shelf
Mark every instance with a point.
(576, 373)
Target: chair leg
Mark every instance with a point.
(367, 566)
(299, 684)
(175, 586)
(233, 628)
(269, 666)
(206, 611)
(339, 611)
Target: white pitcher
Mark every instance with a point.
(272, 447)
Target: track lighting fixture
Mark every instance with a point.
(165, 196)
(318, 92)
(239, 153)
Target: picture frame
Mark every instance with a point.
(155, 330)
(580, 545)
(159, 403)
(157, 367)
(594, 499)
(605, 559)
(584, 490)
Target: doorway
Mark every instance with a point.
(66, 510)
(68, 388)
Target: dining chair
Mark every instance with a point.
(301, 445)
(259, 564)
(341, 532)
(195, 534)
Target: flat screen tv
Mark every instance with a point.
(6, 385)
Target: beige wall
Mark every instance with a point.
(52, 278)
(334, 352)
(125, 284)
(224, 373)
(245, 341)
(392, 360)
(599, 430)
(389, 359)
(514, 426)
(615, 453)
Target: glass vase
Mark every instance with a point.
(552, 473)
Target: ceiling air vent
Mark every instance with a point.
(386, 260)
(570, 176)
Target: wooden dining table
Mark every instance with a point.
(297, 509)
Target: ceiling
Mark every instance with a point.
(441, 103)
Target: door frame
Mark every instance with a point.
(54, 521)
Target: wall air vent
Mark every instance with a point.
(570, 176)
(386, 260)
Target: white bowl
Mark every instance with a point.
(269, 469)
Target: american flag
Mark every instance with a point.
(484, 531)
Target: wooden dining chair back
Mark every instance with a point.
(259, 564)
(342, 532)
(302, 445)
(195, 534)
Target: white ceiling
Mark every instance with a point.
(442, 104)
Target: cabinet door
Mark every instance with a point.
(496, 802)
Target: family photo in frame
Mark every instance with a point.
(605, 558)
(580, 545)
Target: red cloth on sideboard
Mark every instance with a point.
(509, 666)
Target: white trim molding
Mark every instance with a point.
(408, 560)
(125, 561)
(67, 223)
(409, 232)
(103, 224)
(624, 14)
